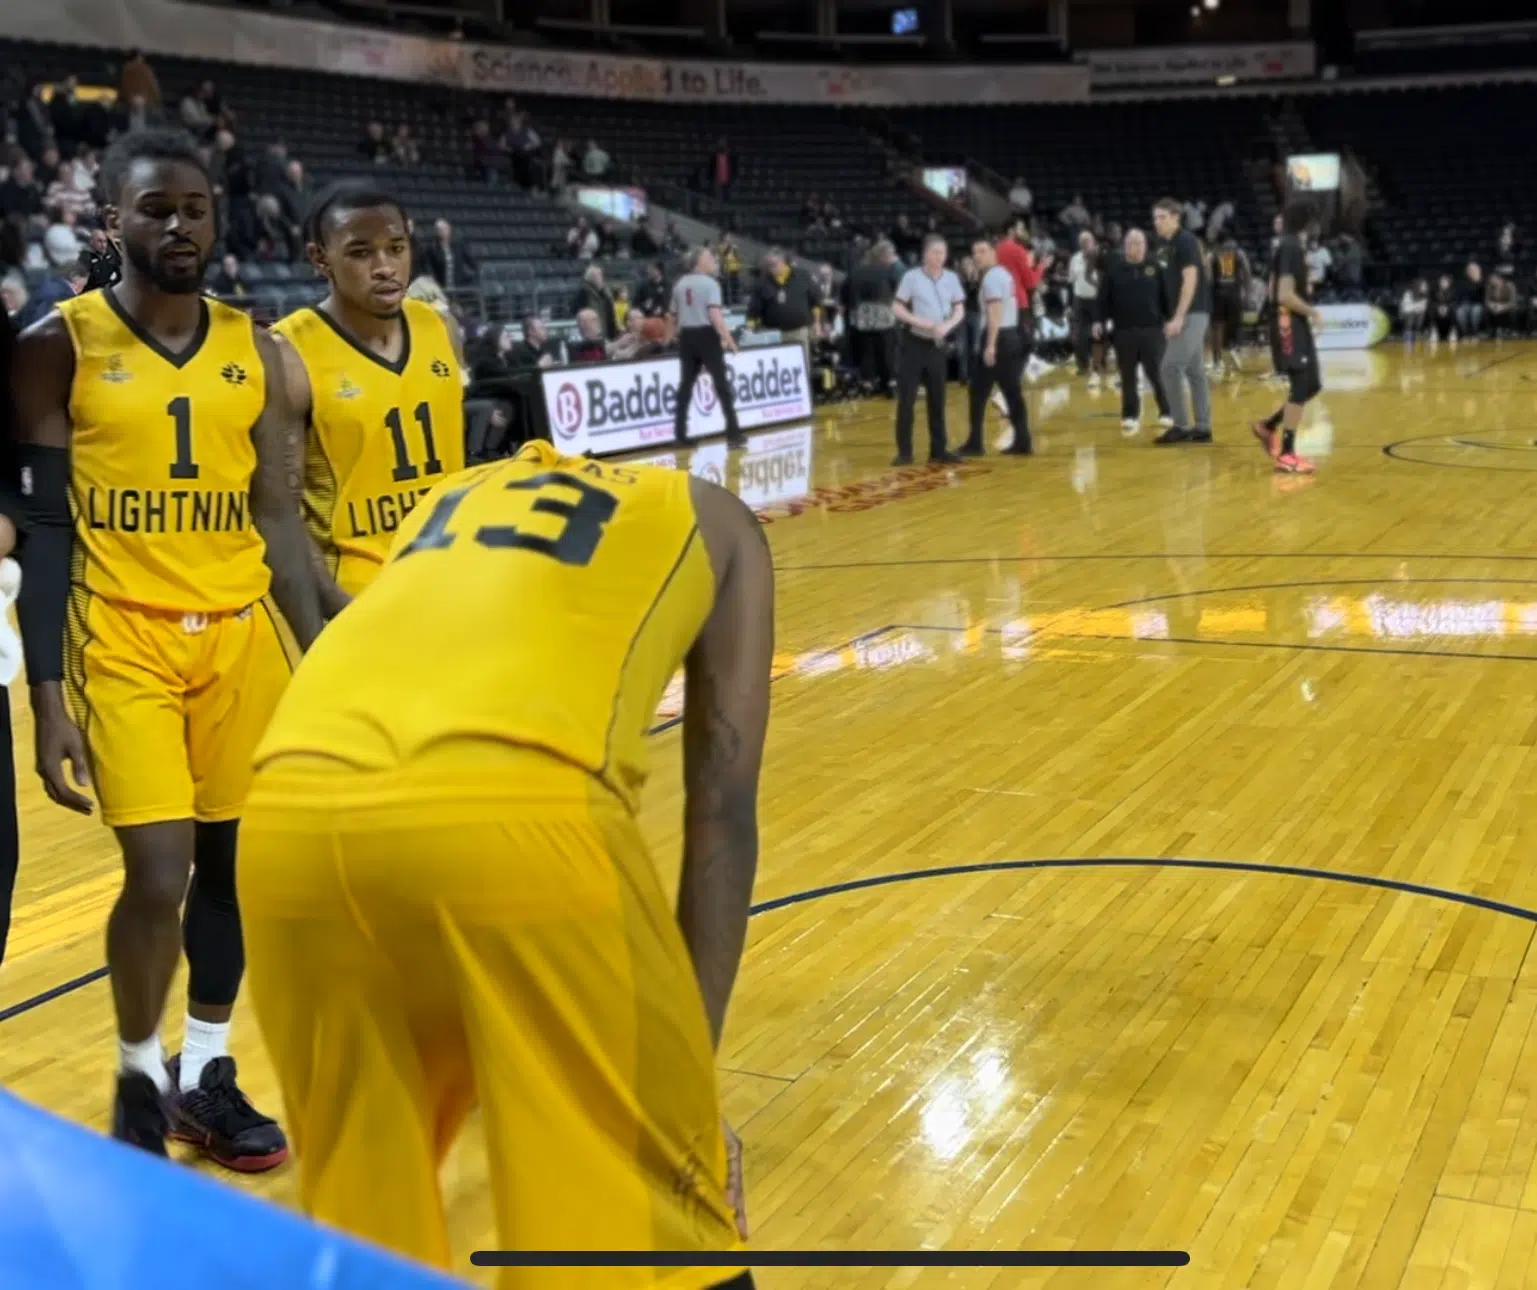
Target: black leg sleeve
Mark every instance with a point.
(211, 931)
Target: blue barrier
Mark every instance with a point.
(81, 1212)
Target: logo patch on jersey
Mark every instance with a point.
(440, 368)
(233, 373)
(347, 390)
(113, 370)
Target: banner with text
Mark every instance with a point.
(242, 36)
(618, 407)
(1351, 326)
(1115, 69)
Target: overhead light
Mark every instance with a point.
(1212, 4)
(1227, 80)
(1195, 11)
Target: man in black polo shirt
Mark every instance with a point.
(1133, 305)
(1292, 341)
(785, 300)
(1184, 356)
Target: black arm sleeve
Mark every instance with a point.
(45, 559)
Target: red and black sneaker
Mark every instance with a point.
(217, 1118)
(139, 1115)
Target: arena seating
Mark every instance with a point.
(1447, 160)
(1121, 157)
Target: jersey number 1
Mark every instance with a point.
(179, 410)
(404, 470)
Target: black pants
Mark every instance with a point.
(874, 352)
(922, 362)
(1006, 373)
(1139, 347)
(10, 847)
(700, 348)
(1083, 332)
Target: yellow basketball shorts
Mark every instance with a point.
(417, 942)
(172, 705)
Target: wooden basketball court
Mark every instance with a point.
(1149, 851)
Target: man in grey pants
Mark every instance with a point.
(1184, 357)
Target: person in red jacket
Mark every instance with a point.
(1014, 254)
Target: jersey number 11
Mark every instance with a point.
(404, 470)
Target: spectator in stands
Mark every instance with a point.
(522, 144)
(646, 240)
(672, 240)
(65, 114)
(1501, 301)
(609, 245)
(66, 282)
(827, 297)
(48, 167)
(785, 300)
(651, 298)
(589, 345)
(194, 114)
(868, 292)
(487, 155)
(642, 338)
(1277, 232)
(294, 195)
(1351, 268)
(138, 81)
(13, 293)
(1219, 220)
(906, 238)
(595, 296)
(595, 162)
(1443, 309)
(729, 256)
(811, 213)
(582, 240)
(229, 280)
(1470, 303)
(132, 113)
(1414, 311)
(621, 306)
(34, 125)
(403, 147)
(374, 146)
(1319, 261)
(561, 162)
(1506, 251)
(447, 261)
(273, 166)
(1195, 215)
(1021, 199)
(1075, 215)
(722, 169)
(21, 195)
(64, 194)
(535, 350)
(61, 241)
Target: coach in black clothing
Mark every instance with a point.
(785, 299)
(1133, 306)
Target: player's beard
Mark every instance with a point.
(173, 283)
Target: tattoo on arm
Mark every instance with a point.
(276, 486)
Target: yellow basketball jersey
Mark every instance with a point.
(542, 601)
(161, 459)
(382, 435)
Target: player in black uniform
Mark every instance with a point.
(1230, 274)
(1296, 355)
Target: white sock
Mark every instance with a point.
(148, 1058)
(205, 1040)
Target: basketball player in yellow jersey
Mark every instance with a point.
(445, 890)
(150, 423)
(378, 378)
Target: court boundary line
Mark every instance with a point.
(1165, 555)
(1398, 886)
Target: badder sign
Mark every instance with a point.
(618, 407)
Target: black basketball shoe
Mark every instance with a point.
(217, 1118)
(139, 1115)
